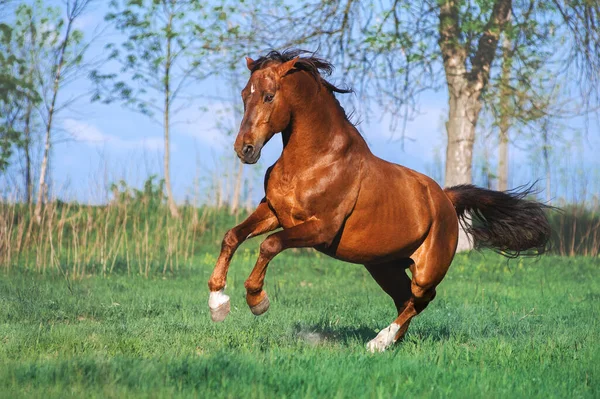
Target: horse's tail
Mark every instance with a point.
(502, 220)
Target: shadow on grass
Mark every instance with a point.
(318, 334)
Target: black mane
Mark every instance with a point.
(312, 64)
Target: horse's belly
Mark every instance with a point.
(375, 243)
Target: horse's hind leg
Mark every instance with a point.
(428, 270)
(392, 278)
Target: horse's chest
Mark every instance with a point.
(284, 197)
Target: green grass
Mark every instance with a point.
(525, 328)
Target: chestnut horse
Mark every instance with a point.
(328, 191)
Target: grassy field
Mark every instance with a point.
(524, 328)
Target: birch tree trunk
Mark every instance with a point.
(462, 120)
(27, 150)
(503, 160)
(249, 201)
(465, 88)
(546, 156)
(504, 122)
(55, 88)
(237, 189)
(167, 109)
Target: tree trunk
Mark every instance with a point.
(237, 189)
(167, 110)
(27, 150)
(504, 122)
(464, 107)
(42, 183)
(249, 202)
(465, 87)
(546, 156)
(218, 191)
(170, 201)
(31, 56)
(43, 170)
(462, 119)
(503, 161)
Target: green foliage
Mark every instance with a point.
(167, 44)
(28, 63)
(524, 328)
(390, 51)
(151, 196)
(13, 92)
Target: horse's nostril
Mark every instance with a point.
(248, 149)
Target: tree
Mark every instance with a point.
(34, 37)
(63, 65)
(13, 91)
(160, 57)
(393, 50)
(522, 92)
(21, 44)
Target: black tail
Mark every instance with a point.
(502, 220)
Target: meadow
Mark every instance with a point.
(498, 328)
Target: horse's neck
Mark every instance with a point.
(318, 127)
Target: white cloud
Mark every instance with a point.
(208, 126)
(86, 21)
(91, 135)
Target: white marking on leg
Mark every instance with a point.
(252, 88)
(217, 298)
(384, 339)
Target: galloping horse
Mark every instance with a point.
(328, 191)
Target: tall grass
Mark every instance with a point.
(576, 229)
(134, 234)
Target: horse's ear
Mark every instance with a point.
(249, 63)
(284, 68)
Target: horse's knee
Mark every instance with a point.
(270, 247)
(230, 240)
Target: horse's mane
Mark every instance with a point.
(312, 64)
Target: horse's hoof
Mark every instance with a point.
(262, 306)
(219, 305)
(384, 339)
(377, 345)
(219, 314)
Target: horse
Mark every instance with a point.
(328, 191)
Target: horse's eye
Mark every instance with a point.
(269, 98)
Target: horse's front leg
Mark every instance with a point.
(261, 221)
(308, 234)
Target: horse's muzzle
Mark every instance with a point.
(249, 153)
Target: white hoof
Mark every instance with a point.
(384, 339)
(219, 305)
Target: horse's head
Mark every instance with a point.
(266, 110)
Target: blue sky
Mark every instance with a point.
(100, 144)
